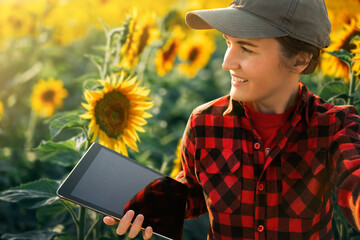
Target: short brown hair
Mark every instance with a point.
(290, 47)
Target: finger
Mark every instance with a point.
(180, 175)
(125, 222)
(109, 220)
(136, 226)
(147, 234)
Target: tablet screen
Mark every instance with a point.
(107, 178)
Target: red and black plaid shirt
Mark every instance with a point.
(285, 194)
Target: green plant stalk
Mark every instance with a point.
(117, 51)
(81, 224)
(145, 59)
(88, 137)
(30, 132)
(71, 212)
(109, 36)
(93, 227)
(352, 85)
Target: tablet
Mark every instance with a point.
(110, 183)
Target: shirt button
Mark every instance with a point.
(260, 228)
(261, 187)
(257, 145)
(267, 151)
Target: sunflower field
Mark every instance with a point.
(126, 74)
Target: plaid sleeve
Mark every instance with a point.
(196, 204)
(345, 153)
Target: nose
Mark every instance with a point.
(230, 60)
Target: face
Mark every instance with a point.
(257, 74)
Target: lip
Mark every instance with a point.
(236, 83)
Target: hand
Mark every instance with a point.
(125, 224)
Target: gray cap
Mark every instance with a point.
(305, 20)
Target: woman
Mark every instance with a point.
(264, 160)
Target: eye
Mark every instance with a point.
(246, 49)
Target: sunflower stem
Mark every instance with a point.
(72, 213)
(30, 131)
(81, 224)
(107, 56)
(92, 228)
(144, 62)
(88, 139)
(352, 88)
(117, 52)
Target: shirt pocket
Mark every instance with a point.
(219, 173)
(304, 183)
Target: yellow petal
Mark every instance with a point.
(86, 115)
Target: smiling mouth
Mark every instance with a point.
(237, 79)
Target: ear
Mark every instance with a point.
(302, 60)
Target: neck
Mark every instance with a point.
(278, 104)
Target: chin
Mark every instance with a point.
(237, 96)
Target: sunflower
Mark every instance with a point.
(341, 12)
(1, 109)
(117, 112)
(331, 65)
(195, 52)
(47, 96)
(142, 32)
(356, 58)
(18, 23)
(165, 57)
(177, 161)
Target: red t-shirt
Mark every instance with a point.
(267, 125)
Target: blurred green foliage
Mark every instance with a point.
(29, 208)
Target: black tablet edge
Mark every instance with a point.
(97, 147)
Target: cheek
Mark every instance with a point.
(266, 69)
(258, 70)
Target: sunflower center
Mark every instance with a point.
(143, 39)
(193, 54)
(17, 23)
(48, 96)
(112, 113)
(169, 53)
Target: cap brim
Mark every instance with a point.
(233, 22)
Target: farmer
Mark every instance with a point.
(264, 160)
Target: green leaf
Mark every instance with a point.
(66, 121)
(50, 146)
(33, 235)
(63, 153)
(32, 195)
(53, 212)
(334, 90)
(64, 237)
(357, 106)
(343, 55)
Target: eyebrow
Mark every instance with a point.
(242, 42)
